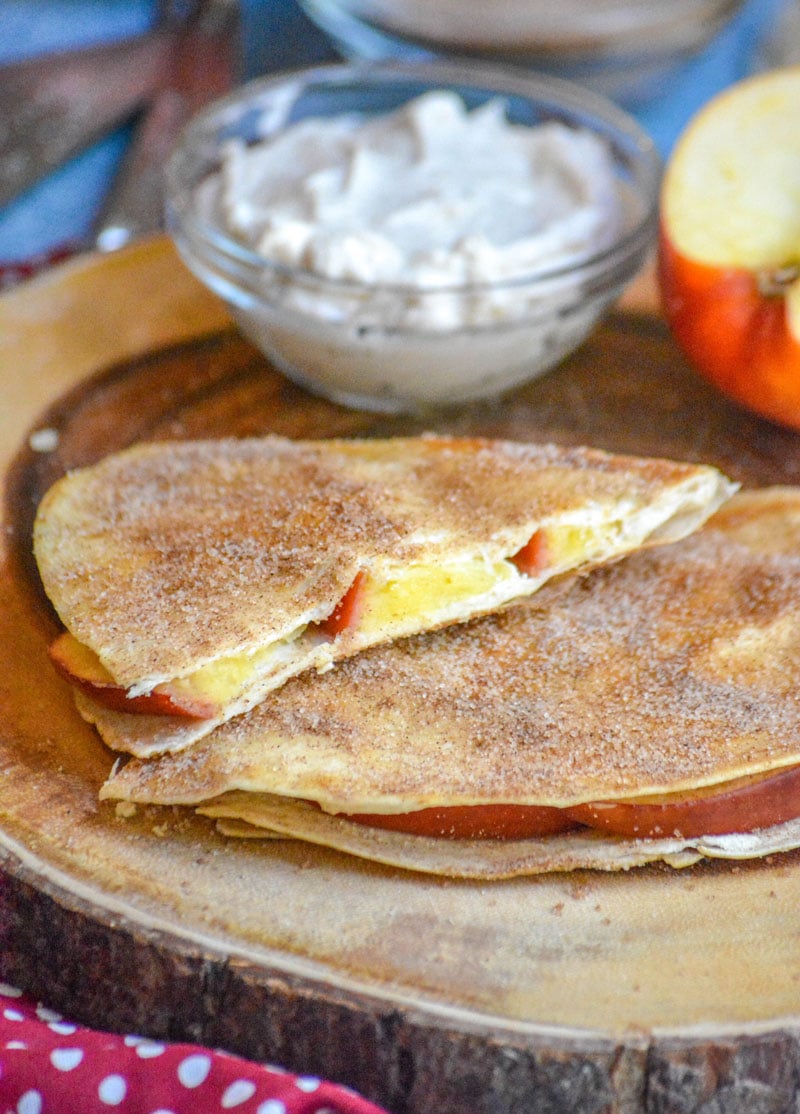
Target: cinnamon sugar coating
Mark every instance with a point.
(675, 668)
(165, 557)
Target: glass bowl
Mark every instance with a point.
(407, 346)
(624, 49)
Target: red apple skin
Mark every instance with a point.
(730, 230)
(738, 336)
(71, 662)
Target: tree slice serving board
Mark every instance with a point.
(656, 990)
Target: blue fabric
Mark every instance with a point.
(30, 27)
(276, 35)
(61, 208)
(729, 57)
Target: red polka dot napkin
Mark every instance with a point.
(11, 274)
(52, 1066)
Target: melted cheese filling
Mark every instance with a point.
(431, 590)
(394, 602)
(223, 680)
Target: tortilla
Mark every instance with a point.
(252, 816)
(212, 564)
(675, 669)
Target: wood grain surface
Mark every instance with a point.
(658, 990)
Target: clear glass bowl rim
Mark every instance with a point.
(557, 94)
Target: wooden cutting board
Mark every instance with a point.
(656, 990)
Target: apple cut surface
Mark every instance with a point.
(730, 243)
(82, 668)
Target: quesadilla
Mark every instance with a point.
(649, 712)
(193, 578)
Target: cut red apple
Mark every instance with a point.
(83, 669)
(349, 609)
(729, 265)
(534, 557)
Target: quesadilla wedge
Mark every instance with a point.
(193, 578)
(649, 712)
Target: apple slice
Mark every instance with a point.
(82, 668)
(349, 609)
(534, 557)
(729, 258)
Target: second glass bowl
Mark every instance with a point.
(624, 49)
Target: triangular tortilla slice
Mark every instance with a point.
(214, 567)
(676, 669)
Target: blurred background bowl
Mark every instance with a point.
(373, 345)
(624, 49)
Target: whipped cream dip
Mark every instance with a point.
(419, 257)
